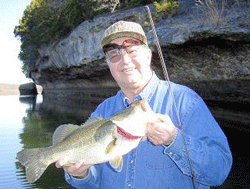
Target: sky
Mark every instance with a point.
(11, 12)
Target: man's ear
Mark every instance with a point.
(149, 55)
(149, 52)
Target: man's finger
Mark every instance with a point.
(60, 163)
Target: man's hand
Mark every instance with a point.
(78, 170)
(161, 132)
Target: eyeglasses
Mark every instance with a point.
(113, 51)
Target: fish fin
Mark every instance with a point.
(62, 132)
(91, 120)
(117, 163)
(144, 104)
(34, 164)
(111, 146)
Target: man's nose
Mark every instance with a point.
(125, 57)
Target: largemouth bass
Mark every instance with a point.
(96, 141)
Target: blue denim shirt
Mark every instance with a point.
(149, 166)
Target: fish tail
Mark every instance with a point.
(34, 163)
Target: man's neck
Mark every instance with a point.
(132, 91)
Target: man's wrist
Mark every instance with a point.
(167, 143)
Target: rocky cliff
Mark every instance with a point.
(208, 52)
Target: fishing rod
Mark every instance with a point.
(166, 76)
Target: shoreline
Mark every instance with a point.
(9, 89)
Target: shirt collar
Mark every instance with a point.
(147, 92)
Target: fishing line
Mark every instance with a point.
(166, 76)
(163, 65)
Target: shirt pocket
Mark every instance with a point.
(156, 159)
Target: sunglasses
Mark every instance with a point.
(113, 51)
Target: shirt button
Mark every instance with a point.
(131, 161)
(129, 185)
(170, 153)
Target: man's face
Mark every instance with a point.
(132, 70)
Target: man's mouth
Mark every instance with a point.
(127, 70)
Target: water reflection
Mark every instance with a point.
(11, 114)
(38, 127)
(39, 124)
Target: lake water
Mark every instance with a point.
(27, 123)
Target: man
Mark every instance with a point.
(196, 157)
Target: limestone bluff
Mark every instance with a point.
(212, 59)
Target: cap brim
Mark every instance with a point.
(134, 35)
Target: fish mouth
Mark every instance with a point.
(125, 134)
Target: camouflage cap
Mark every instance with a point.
(124, 29)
